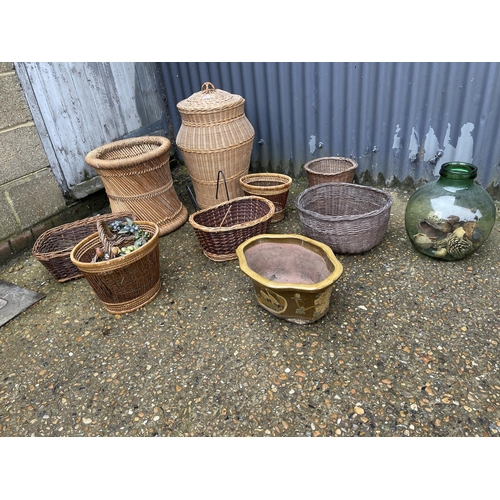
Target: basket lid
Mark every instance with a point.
(209, 99)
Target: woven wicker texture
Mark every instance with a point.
(136, 176)
(330, 169)
(53, 247)
(274, 187)
(215, 135)
(125, 283)
(349, 218)
(222, 228)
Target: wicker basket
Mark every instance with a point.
(214, 135)
(125, 283)
(221, 229)
(273, 187)
(330, 169)
(349, 218)
(136, 176)
(53, 247)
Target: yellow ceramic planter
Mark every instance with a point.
(293, 275)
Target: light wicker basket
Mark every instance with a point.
(125, 283)
(222, 228)
(349, 218)
(53, 247)
(274, 187)
(330, 169)
(215, 135)
(136, 176)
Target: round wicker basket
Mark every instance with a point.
(274, 187)
(349, 218)
(125, 283)
(136, 176)
(330, 169)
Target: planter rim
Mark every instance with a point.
(334, 276)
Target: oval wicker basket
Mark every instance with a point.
(125, 283)
(53, 247)
(330, 169)
(222, 228)
(136, 176)
(274, 187)
(349, 218)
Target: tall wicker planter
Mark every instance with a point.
(136, 176)
(125, 283)
(215, 135)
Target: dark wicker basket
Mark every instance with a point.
(274, 187)
(349, 218)
(222, 228)
(125, 283)
(53, 247)
(330, 169)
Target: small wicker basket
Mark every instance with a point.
(330, 169)
(53, 247)
(222, 228)
(274, 187)
(349, 218)
(125, 283)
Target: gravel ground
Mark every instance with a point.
(409, 347)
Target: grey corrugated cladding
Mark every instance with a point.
(401, 120)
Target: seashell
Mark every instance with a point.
(472, 232)
(441, 252)
(434, 218)
(447, 227)
(422, 240)
(453, 219)
(431, 229)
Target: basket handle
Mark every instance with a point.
(208, 88)
(225, 184)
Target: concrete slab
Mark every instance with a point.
(14, 300)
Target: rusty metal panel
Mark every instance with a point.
(78, 106)
(399, 120)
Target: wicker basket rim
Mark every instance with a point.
(282, 178)
(224, 229)
(310, 164)
(93, 158)
(37, 249)
(353, 187)
(109, 265)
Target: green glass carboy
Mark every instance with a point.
(450, 218)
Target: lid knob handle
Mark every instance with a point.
(207, 88)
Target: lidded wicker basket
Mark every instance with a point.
(136, 176)
(215, 135)
(274, 187)
(330, 169)
(349, 218)
(222, 228)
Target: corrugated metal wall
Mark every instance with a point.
(400, 120)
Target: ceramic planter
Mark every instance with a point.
(293, 275)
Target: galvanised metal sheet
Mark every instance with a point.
(400, 121)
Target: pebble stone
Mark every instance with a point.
(409, 347)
